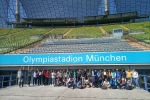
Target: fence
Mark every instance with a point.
(144, 81)
(8, 80)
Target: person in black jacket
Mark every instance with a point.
(123, 73)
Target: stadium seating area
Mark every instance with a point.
(140, 26)
(5, 31)
(71, 46)
(90, 32)
(10, 42)
(20, 39)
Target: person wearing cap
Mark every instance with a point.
(118, 75)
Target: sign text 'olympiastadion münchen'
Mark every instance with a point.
(76, 58)
(73, 59)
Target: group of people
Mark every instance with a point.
(82, 78)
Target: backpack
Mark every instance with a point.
(129, 88)
(104, 87)
(114, 87)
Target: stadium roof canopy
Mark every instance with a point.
(68, 8)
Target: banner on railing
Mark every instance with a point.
(76, 58)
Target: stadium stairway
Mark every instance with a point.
(48, 32)
(125, 28)
(67, 32)
(137, 45)
(103, 31)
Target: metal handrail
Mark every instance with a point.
(9, 80)
(146, 83)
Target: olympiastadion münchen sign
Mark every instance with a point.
(76, 58)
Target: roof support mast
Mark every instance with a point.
(106, 7)
(17, 11)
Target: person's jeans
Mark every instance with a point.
(131, 79)
(29, 80)
(74, 80)
(46, 80)
(21, 81)
(39, 79)
(53, 81)
(136, 82)
(34, 80)
(50, 81)
(83, 80)
(93, 79)
(43, 79)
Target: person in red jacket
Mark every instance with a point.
(47, 75)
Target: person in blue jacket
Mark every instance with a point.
(113, 83)
(118, 75)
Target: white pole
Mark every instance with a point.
(106, 7)
(17, 7)
(17, 10)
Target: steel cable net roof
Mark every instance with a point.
(68, 8)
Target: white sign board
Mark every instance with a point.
(117, 32)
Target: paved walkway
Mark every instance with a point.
(103, 31)
(67, 32)
(125, 28)
(64, 93)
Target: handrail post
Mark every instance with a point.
(2, 81)
(10, 78)
(145, 82)
(16, 80)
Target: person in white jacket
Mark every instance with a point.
(19, 75)
(135, 78)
